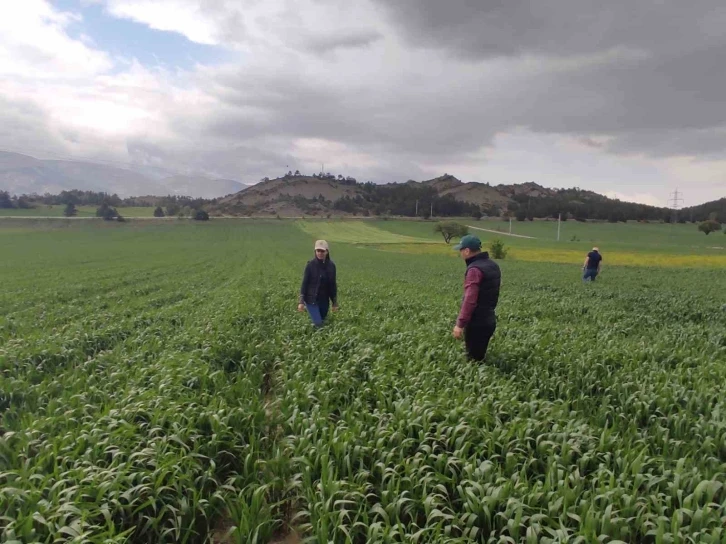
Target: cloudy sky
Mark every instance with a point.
(626, 97)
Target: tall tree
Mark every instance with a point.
(451, 229)
(106, 212)
(709, 226)
(70, 210)
(5, 200)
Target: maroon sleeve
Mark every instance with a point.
(471, 294)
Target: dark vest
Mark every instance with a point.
(489, 286)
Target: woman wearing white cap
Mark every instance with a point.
(319, 286)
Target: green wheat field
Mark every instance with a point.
(157, 385)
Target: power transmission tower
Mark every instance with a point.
(675, 202)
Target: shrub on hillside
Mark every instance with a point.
(497, 249)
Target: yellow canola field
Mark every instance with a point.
(572, 256)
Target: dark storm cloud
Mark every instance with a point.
(494, 28)
(394, 114)
(639, 70)
(702, 142)
(325, 43)
(633, 71)
(589, 142)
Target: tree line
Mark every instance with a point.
(584, 205)
(714, 210)
(109, 213)
(14, 202)
(107, 204)
(97, 198)
(405, 200)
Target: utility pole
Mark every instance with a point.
(510, 224)
(432, 209)
(675, 202)
(559, 222)
(417, 207)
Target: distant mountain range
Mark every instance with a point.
(22, 174)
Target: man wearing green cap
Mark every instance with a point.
(477, 319)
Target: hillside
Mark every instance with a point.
(22, 174)
(287, 196)
(715, 209)
(316, 195)
(481, 194)
(325, 194)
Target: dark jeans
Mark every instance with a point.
(318, 311)
(590, 274)
(477, 335)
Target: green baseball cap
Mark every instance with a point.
(469, 242)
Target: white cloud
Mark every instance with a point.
(317, 26)
(64, 96)
(34, 44)
(186, 18)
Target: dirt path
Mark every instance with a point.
(503, 233)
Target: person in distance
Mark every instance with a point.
(477, 319)
(319, 285)
(592, 265)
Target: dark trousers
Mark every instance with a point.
(477, 335)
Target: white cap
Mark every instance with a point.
(321, 244)
(595, 249)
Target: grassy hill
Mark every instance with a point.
(327, 195)
(286, 196)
